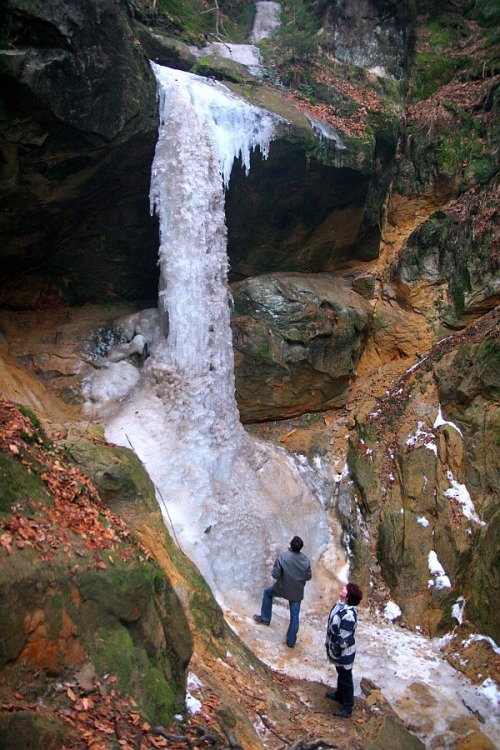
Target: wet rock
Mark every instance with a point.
(223, 69)
(78, 137)
(166, 50)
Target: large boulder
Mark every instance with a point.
(297, 341)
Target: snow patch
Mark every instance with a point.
(440, 421)
(440, 580)
(457, 611)
(460, 493)
(392, 611)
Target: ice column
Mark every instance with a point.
(203, 129)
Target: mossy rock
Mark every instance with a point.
(127, 490)
(149, 680)
(223, 69)
(116, 472)
(17, 483)
(122, 590)
(25, 729)
(106, 604)
(165, 50)
(365, 471)
(484, 586)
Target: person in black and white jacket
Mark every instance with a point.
(341, 646)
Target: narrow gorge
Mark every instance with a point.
(249, 289)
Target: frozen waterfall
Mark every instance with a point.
(267, 18)
(233, 502)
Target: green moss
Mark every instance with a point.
(39, 433)
(115, 654)
(364, 471)
(189, 16)
(194, 20)
(432, 70)
(443, 32)
(207, 614)
(123, 589)
(479, 171)
(485, 12)
(157, 696)
(222, 69)
(162, 696)
(18, 484)
(238, 20)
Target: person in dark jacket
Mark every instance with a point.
(291, 571)
(341, 646)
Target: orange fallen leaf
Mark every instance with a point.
(14, 449)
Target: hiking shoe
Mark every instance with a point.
(291, 645)
(332, 695)
(259, 619)
(343, 713)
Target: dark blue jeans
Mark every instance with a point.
(266, 613)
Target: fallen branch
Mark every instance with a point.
(268, 725)
(172, 737)
(316, 745)
(204, 735)
(233, 743)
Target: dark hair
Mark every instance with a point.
(296, 544)
(354, 594)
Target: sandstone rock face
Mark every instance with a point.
(429, 485)
(297, 341)
(458, 274)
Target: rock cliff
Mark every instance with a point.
(364, 271)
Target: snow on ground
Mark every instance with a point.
(423, 689)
